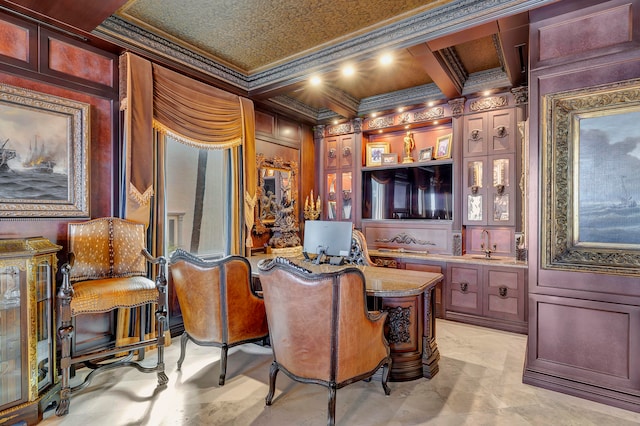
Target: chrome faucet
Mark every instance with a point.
(485, 246)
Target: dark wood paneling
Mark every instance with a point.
(18, 42)
(85, 15)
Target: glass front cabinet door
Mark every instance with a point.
(338, 175)
(28, 379)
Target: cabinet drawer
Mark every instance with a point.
(463, 291)
(504, 294)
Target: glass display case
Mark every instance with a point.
(27, 342)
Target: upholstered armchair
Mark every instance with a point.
(359, 253)
(107, 270)
(219, 307)
(320, 329)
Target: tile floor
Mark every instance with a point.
(479, 383)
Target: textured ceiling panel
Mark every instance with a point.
(251, 35)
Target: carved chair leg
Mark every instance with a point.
(223, 363)
(386, 369)
(142, 328)
(161, 320)
(273, 372)
(65, 332)
(331, 420)
(183, 347)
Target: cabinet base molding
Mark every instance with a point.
(499, 324)
(620, 399)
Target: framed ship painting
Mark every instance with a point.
(44, 168)
(591, 158)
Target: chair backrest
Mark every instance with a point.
(319, 324)
(107, 247)
(359, 253)
(216, 299)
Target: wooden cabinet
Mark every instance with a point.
(488, 133)
(487, 295)
(28, 371)
(427, 266)
(338, 177)
(489, 168)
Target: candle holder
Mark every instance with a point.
(312, 210)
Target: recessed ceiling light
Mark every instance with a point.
(315, 80)
(348, 70)
(400, 109)
(374, 115)
(335, 121)
(407, 126)
(386, 59)
(430, 104)
(487, 92)
(379, 131)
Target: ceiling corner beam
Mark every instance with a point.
(514, 39)
(439, 72)
(339, 101)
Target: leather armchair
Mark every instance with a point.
(107, 270)
(320, 329)
(219, 307)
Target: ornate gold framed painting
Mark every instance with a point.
(375, 151)
(44, 165)
(590, 162)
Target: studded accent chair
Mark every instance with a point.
(107, 270)
(320, 329)
(219, 307)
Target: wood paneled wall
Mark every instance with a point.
(583, 327)
(38, 59)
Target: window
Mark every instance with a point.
(197, 190)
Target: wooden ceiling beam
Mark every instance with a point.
(514, 36)
(434, 65)
(73, 14)
(465, 36)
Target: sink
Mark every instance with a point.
(478, 256)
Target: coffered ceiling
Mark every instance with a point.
(269, 50)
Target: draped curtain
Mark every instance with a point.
(158, 102)
(161, 102)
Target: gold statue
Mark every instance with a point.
(409, 145)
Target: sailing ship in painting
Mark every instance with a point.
(38, 159)
(6, 154)
(31, 175)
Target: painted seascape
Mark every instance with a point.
(609, 169)
(33, 155)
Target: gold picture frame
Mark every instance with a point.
(426, 154)
(44, 155)
(589, 214)
(389, 158)
(443, 147)
(374, 153)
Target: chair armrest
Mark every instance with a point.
(154, 260)
(66, 288)
(376, 316)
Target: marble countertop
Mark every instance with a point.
(380, 282)
(467, 258)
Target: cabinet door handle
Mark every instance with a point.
(332, 153)
(502, 290)
(346, 151)
(464, 287)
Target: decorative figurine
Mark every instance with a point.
(409, 145)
